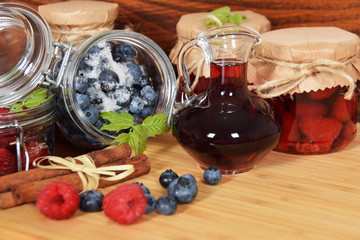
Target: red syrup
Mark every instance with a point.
(227, 126)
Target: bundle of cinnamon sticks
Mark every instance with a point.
(24, 187)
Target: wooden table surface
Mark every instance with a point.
(284, 197)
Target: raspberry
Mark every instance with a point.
(320, 130)
(126, 204)
(4, 110)
(35, 150)
(342, 109)
(7, 162)
(58, 200)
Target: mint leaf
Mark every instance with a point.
(221, 16)
(122, 138)
(36, 98)
(236, 18)
(156, 125)
(137, 133)
(137, 139)
(118, 121)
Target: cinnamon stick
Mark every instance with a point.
(28, 192)
(7, 200)
(99, 157)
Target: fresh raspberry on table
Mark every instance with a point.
(7, 162)
(126, 204)
(58, 200)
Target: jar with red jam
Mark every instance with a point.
(26, 129)
(309, 75)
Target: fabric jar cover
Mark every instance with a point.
(75, 21)
(302, 59)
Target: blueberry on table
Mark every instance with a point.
(122, 96)
(91, 114)
(166, 177)
(151, 203)
(91, 201)
(136, 105)
(83, 100)
(123, 52)
(144, 188)
(135, 71)
(212, 175)
(166, 205)
(108, 80)
(148, 95)
(183, 189)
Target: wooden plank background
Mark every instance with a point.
(157, 18)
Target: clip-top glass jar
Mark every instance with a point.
(25, 45)
(118, 71)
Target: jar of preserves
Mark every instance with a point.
(116, 71)
(26, 129)
(309, 75)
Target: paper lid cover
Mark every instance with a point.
(79, 12)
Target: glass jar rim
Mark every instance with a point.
(28, 73)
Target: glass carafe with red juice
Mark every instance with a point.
(226, 126)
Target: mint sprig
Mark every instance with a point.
(36, 98)
(136, 134)
(219, 17)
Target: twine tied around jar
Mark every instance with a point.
(87, 171)
(277, 87)
(79, 34)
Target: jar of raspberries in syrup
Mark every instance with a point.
(310, 75)
(27, 107)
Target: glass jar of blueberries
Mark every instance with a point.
(118, 71)
(26, 130)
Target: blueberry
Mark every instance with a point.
(136, 117)
(135, 71)
(144, 188)
(166, 205)
(108, 80)
(91, 114)
(91, 201)
(148, 95)
(151, 203)
(122, 96)
(83, 100)
(183, 189)
(191, 178)
(92, 50)
(135, 92)
(166, 177)
(123, 52)
(81, 84)
(147, 111)
(136, 105)
(84, 67)
(143, 81)
(212, 175)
